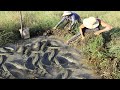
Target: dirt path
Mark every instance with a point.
(43, 58)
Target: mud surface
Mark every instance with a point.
(43, 58)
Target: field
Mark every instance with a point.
(102, 52)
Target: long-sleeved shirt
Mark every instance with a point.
(73, 18)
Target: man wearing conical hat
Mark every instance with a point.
(69, 16)
(91, 23)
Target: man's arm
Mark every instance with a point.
(62, 20)
(107, 28)
(81, 31)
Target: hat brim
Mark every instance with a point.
(66, 14)
(89, 26)
(96, 24)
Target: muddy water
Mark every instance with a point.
(43, 58)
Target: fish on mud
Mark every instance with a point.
(9, 49)
(70, 59)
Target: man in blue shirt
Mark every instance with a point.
(69, 17)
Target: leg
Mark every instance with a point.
(75, 28)
(65, 25)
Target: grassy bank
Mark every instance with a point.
(102, 52)
(39, 21)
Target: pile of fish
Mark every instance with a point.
(42, 58)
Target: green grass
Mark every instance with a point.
(105, 60)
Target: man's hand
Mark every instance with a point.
(83, 38)
(69, 29)
(97, 33)
(55, 28)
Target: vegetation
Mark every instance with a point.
(102, 52)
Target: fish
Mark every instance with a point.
(18, 66)
(28, 51)
(65, 75)
(37, 57)
(43, 47)
(36, 46)
(70, 59)
(20, 50)
(9, 49)
(3, 50)
(57, 62)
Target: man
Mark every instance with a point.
(89, 24)
(69, 17)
